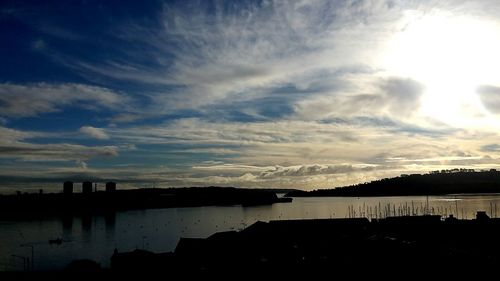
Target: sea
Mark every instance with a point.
(52, 243)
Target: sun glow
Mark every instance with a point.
(452, 56)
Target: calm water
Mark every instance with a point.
(159, 230)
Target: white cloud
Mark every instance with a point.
(290, 143)
(225, 167)
(14, 144)
(490, 96)
(32, 100)
(9, 136)
(81, 164)
(39, 44)
(300, 154)
(94, 132)
(54, 152)
(392, 97)
(317, 169)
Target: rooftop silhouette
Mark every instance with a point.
(328, 245)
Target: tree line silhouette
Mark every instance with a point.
(442, 182)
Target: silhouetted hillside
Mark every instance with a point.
(434, 183)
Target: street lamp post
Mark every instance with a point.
(32, 254)
(24, 260)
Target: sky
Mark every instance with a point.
(286, 94)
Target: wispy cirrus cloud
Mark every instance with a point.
(245, 52)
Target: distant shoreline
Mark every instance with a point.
(102, 202)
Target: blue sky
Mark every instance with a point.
(304, 94)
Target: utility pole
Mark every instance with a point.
(427, 204)
(144, 243)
